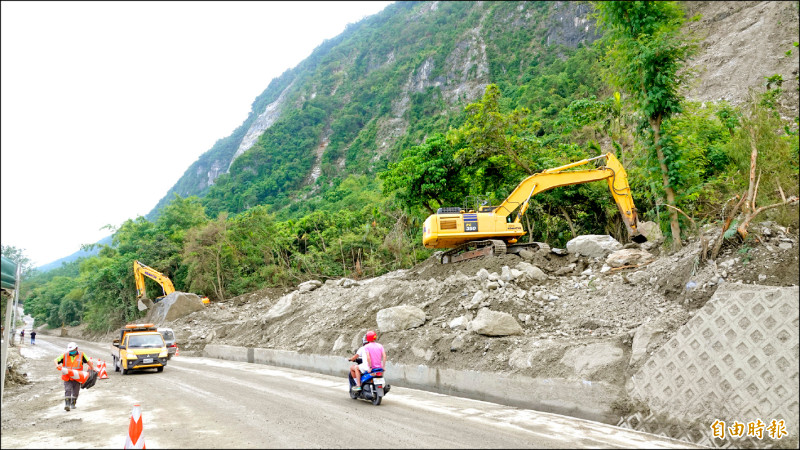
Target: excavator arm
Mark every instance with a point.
(140, 271)
(557, 177)
(455, 228)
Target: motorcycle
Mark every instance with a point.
(373, 386)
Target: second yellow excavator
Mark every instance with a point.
(140, 271)
(468, 233)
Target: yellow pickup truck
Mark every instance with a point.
(140, 346)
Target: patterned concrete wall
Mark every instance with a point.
(735, 360)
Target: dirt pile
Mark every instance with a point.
(578, 320)
(16, 371)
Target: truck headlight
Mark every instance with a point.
(162, 354)
(129, 356)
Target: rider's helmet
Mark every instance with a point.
(370, 336)
(72, 346)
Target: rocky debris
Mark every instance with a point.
(398, 318)
(593, 245)
(15, 368)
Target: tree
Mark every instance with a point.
(489, 132)
(427, 176)
(646, 53)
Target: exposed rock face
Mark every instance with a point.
(571, 24)
(593, 245)
(495, 323)
(264, 121)
(398, 318)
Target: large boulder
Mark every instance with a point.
(398, 318)
(586, 360)
(644, 339)
(629, 257)
(531, 271)
(174, 306)
(593, 245)
(282, 307)
(650, 230)
(495, 323)
(308, 286)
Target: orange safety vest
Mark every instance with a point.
(70, 363)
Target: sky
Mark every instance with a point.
(106, 104)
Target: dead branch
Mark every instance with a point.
(742, 228)
(631, 266)
(728, 221)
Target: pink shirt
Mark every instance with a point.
(375, 351)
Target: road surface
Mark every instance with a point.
(209, 403)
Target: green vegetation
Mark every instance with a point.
(370, 111)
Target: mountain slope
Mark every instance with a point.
(382, 85)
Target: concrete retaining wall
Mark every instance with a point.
(735, 360)
(584, 399)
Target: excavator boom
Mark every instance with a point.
(140, 271)
(455, 228)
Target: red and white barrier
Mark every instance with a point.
(135, 437)
(78, 375)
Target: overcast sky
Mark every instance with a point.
(106, 104)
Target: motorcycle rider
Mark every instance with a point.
(356, 369)
(376, 355)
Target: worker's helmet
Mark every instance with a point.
(72, 346)
(370, 337)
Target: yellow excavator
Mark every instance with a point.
(490, 230)
(140, 271)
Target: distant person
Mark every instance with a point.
(22, 336)
(33, 337)
(73, 359)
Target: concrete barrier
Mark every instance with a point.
(577, 398)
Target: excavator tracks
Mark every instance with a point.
(474, 249)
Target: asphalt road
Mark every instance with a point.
(209, 403)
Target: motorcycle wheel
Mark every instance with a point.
(353, 394)
(376, 400)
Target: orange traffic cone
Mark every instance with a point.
(101, 369)
(177, 350)
(135, 437)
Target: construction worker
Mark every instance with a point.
(72, 359)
